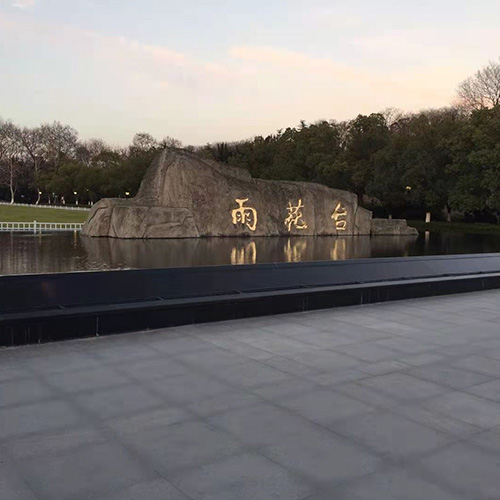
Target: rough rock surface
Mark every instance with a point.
(392, 227)
(183, 196)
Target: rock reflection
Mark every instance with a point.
(294, 251)
(244, 254)
(28, 253)
(119, 253)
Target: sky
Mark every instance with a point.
(220, 70)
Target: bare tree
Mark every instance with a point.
(481, 90)
(170, 142)
(11, 164)
(89, 152)
(59, 141)
(143, 141)
(31, 140)
(392, 115)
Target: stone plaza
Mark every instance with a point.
(392, 401)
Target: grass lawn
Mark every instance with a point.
(30, 214)
(455, 227)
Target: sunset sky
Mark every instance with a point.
(202, 71)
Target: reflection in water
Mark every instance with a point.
(244, 254)
(294, 251)
(63, 252)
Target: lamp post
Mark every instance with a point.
(76, 197)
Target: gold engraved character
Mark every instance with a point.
(245, 215)
(339, 215)
(295, 216)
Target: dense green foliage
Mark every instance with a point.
(405, 164)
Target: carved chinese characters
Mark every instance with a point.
(247, 216)
(295, 216)
(339, 216)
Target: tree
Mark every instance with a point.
(143, 143)
(366, 136)
(11, 166)
(58, 142)
(170, 142)
(481, 90)
(31, 140)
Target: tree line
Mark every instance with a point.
(397, 163)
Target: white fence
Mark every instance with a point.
(38, 227)
(60, 207)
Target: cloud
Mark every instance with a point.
(290, 60)
(23, 4)
(113, 86)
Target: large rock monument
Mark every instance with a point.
(184, 196)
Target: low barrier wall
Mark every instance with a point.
(40, 308)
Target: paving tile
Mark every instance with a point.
(322, 456)
(291, 366)
(276, 392)
(109, 403)
(406, 345)
(187, 388)
(180, 446)
(336, 377)
(12, 485)
(153, 368)
(62, 363)
(87, 380)
(488, 390)
(243, 477)
(211, 359)
(367, 395)
(367, 351)
(487, 440)
(252, 374)
(326, 360)
(455, 378)
(261, 424)
(425, 358)
(157, 489)
(43, 444)
(471, 409)
(442, 423)
(84, 473)
(38, 417)
(302, 332)
(323, 406)
(127, 351)
(242, 349)
(395, 484)
(221, 403)
(479, 364)
(392, 435)
(27, 390)
(466, 470)
(279, 345)
(180, 345)
(403, 387)
(12, 369)
(148, 419)
(383, 367)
